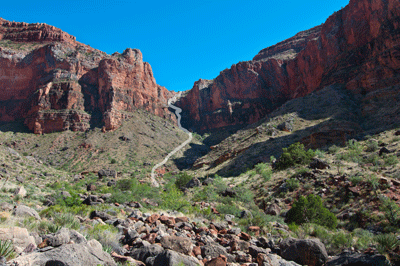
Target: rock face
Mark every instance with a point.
(357, 47)
(55, 83)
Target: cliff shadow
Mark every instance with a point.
(322, 119)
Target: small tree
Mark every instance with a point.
(311, 210)
(293, 155)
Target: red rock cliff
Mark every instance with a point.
(358, 46)
(55, 83)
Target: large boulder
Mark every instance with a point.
(145, 252)
(90, 253)
(107, 173)
(172, 258)
(25, 211)
(215, 250)
(309, 252)
(348, 259)
(19, 236)
(177, 243)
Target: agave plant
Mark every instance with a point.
(386, 242)
(6, 249)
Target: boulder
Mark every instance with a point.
(319, 164)
(19, 236)
(90, 253)
(347, 259)
(218, 261)
(179, 244)
(145, 252)
(214, 250)
(60, 238)
(172, 258)
(309, 252)
(20, 191)
(24, 211)
(273, 209)
(107, 173)
(195, 182)
(102, 215)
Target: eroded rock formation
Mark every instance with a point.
(55, 83)
(358, 46)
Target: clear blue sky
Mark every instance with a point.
(182, 40)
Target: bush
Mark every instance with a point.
(333, 149)
(264, 171)
(292, 183)
(310, 210)
(391, 210)
(293, 155)
(372, 146)
(386, 243)
(391, 160)
(182, 179)
(355, 179)
(6, 249)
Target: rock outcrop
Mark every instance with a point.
(55, 83)
(357, 47)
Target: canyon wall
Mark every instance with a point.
(55, 83)
(358, 46)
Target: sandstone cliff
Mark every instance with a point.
(55, 83)
(358, 46)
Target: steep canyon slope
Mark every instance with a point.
(55, 83)
(357, 47)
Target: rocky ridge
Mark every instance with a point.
(55, 83)
(357, 46)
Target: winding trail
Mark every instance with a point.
(177, 112)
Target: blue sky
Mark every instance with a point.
(182, 40)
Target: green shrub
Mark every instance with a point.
(391, 210)
(356, 179)
(391, 160)
(333, 149)
(7, 249)
(264, 171)
(292, 184)
(386, 243)
(113, 161)
(372, 146)
(310, 210)
(182, 179)
(293, 155)
(363, 238)
(173, 199)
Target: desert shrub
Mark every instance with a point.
(311, 210)
(356, 179)
(293, 155)
(182, 179)
(372, 146)
(373, 181)
(333, 149)
(7, 249)
(173, 199)
(292, 183)
(74, 200)
(208, 193)
(386, 242)
(264, 171)
(391, 210)
(228, 209)
(125, 184)
(391, 160)
(363, 238)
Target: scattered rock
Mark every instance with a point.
(172, 258)
(383, 150)
(90, 253)
(347, 259)
(273, 209)
(306, 252)
(107, 173)
(24, 211)
(195, 182)
(19, 236)
(20, 191)
(319, 164)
